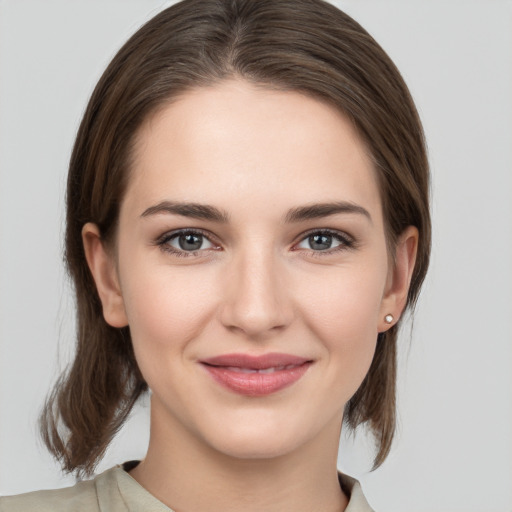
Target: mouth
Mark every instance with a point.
(256, 375)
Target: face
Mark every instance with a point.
(251, 267)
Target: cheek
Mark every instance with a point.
(166, 308)
(344, 316)
(345, 301)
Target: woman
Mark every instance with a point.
(247, 220)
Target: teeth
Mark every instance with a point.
(263, 370)
(240, 370)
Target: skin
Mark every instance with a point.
(256, 285)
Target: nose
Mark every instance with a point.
(256, 299)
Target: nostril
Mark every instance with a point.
(255, 322)
(254, 299)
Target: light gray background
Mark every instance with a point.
(454, 448)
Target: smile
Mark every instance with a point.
(256, 375)
(263, 370)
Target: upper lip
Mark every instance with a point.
(256, 362)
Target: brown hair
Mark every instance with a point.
(300, 45)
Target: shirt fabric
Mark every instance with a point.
(116, 491)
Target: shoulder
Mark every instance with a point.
(83, 497)
(352, 488)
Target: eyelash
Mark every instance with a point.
(163, 242)
(346, 242)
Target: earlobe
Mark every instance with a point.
(103, 269)
(399, 279)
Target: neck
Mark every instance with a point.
(187, 475)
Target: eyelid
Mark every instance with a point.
(162, 240)
(347, 241)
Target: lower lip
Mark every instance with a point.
(256, 384)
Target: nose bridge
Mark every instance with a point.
(256, 299)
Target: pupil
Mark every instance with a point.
(320, 242)
(190, 242)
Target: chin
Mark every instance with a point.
(256, 447)
(259, 439)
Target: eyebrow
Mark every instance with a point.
(298, 214)
(192, 210)
(316, 211)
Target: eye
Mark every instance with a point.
(185, 241)
(325, 240)
(190, 242)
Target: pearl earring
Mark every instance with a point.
(388, 319)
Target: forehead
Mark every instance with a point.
(235, 141)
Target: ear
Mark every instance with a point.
(399, 278)
(103, 269)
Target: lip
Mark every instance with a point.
(256, 375)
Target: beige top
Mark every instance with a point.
(116, 491)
